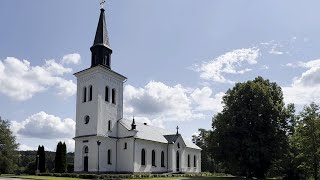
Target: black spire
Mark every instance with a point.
(133, 125)
(101, 51)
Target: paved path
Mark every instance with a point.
(4, 178)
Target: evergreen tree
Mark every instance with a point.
(64, 163)
(250, 132)
(41, 159)
(61, 158)
(8, 148)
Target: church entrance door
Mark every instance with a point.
(85, 164)
(178, 162)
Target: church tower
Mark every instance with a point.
(99, 106)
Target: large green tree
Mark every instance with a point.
(8, 148)
(307, 140)
(250, 132)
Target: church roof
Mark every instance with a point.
(152, 133)
(101, 37)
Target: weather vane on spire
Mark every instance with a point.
(102, 3)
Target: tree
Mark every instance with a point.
(42, 159)
(61, 158)
(203, 141)
(307, 139)
(8, 148)
(250, 132)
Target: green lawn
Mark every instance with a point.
(41, 177)
(169, 178)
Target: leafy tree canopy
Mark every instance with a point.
(8, 148)
(250, 132)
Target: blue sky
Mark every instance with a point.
(179, 56)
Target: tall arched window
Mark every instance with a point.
(90, 93)
(84, 94)
(113, 96)
(143, 157)
(162, 159)
(188, 160)
(153, 154)
(109, 125)
(106, 95)
(194, 161)
(109, 156)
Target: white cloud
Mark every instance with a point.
(228, 63)
(203, 98)
(20, 81)
(44, 126)
(71, 58)
(157, 102)
(305, 88)
(23, 147)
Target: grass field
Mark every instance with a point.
(170, 178)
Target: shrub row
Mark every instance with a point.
(127, 176)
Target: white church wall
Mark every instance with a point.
(125, 156)
(149, 146)
(86, 108)
(91, 142)
(106, 109)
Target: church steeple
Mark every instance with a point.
(100, 50)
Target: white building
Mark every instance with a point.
(106, 142)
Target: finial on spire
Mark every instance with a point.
(102, 3)
(177, 130)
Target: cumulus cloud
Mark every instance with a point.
(20, 81)
(305, 88)
(228, 63)
(44, 126)
(157, 102)
(71, 58)
(206, 101)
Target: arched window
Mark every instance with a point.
(125, 145)
(90, 93)
(188, 160)
(86, 150)
(162, 159)
(143, 157)
(109, 156)
(153, 154)
(84, 94)
(106, 96)
(194, 161)
(109, 125)
(113, 96)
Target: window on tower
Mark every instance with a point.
(188, 160)
(114, 96)
(109, 125)
(106, 60)
(109, 156)
(84, 94)
(106, 96)
(194, 161)
(125, 145)
(90, 93)
(86, 150)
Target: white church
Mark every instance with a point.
(105, 141)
